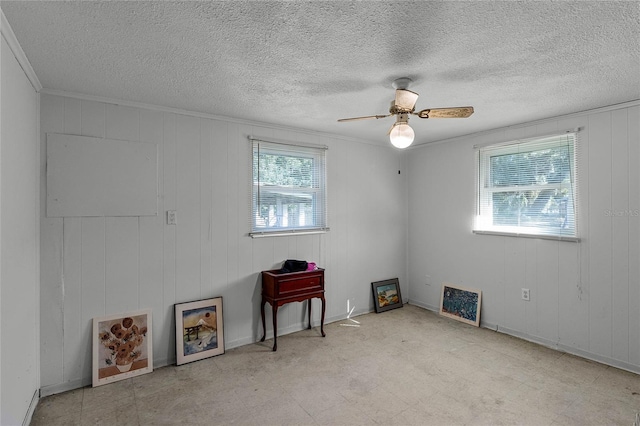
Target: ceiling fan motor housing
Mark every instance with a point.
(402, 117)
(394, 109)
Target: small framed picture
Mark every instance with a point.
(199, 330)
(121, 347)
(386, 295)
(462, 304)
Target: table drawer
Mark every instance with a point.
(300, 285)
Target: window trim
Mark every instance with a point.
(482, 187)
(316, 150)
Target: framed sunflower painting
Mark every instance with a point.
(121, 346)
(199, 330)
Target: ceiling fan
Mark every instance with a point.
(401, 134)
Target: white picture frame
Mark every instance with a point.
(199, 330)
(122, 346)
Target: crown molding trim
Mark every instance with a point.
(598, 110)
(12, 41)
(172, 110)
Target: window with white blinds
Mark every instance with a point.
(528, 188)
(288, 189)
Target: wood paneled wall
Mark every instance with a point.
(585, 297)
(19, 228)
(92, 266)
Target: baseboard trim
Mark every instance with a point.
(32, 408)
(423, 305)
(291, 329)
(546, 342)
(64, 387)
(567, 349)
(75, 384)
(163, 362)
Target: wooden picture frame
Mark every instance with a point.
(460, 303)
(199, 330)
(122, 346)
(386, 295)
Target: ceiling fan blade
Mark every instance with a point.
(454, 112)
(363, 118)
(406, 99)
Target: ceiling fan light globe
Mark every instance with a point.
(402, 135)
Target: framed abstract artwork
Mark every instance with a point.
(122, 347)
(199, 330)
(386, 295)
(462, 304)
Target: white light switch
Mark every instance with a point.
(172, 217)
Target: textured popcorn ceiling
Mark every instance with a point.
(306, 64)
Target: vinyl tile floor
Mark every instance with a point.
(407, 366)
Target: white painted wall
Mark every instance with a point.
(585, 297)
(19, 241)
(92, 266)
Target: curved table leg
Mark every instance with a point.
(264, 326)
(275, 327)
(322, 318)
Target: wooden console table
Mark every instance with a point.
(281, 288)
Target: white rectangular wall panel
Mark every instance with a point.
(89, 176)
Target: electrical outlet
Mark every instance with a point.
(172, 217)
(525, 294)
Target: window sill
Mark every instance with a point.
(538, 236)
(288, 233)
